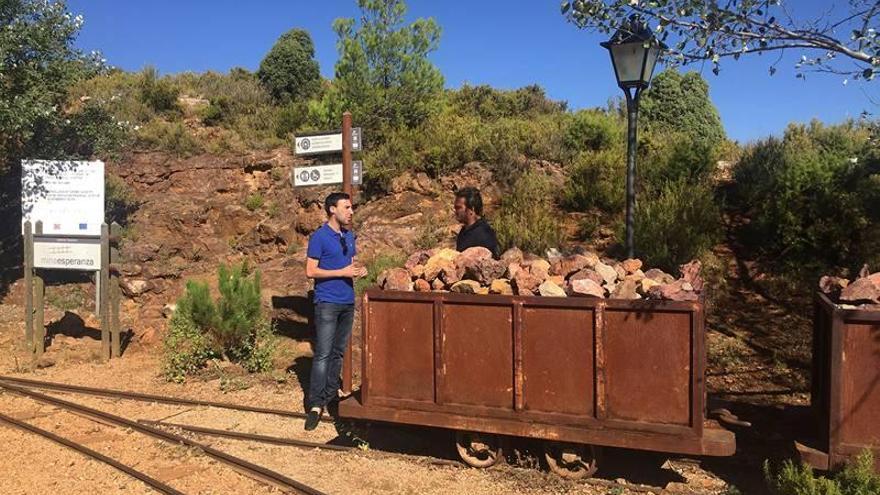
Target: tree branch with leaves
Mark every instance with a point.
(842, 39)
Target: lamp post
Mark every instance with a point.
(634, 52)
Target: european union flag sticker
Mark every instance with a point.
(83, 226)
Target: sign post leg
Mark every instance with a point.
(98, 293)
(40, 327)
(115, 230)
(103, 277)
(28, 287)
(346, 188)
(40, 292)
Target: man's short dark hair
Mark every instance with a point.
(333, 199)
(472, 199)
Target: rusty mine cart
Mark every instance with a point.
(845, 393)
(577, 373)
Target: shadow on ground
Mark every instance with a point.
(293, 316)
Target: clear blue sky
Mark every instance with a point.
(504, 43)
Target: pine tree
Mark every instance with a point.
(290, 70)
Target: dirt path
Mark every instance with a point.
(758, 357)
(368, 471)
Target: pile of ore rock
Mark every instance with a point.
(474, 271)
(861, 293)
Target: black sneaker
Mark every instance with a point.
(312, 420)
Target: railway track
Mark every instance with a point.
(160, 429)
(137, 396)
(293, 442)
(247, 468)
(82, 449)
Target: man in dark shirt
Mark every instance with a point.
(475, 231)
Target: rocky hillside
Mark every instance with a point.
(195, 213)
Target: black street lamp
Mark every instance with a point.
(634, 52)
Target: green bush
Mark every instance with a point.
(232, 327)
(489, 103)
(240, 88)
(290, 70)
(158, 94)
(596, 179)
(187, 346)
(92, 131)
(84, 131)
(680, 223)
(254, 202)
(170, 137)
(593, 130)
(857, 478)
(448, 141)
(673, 157)
(292, 117)
(40, 61)
(326, 112)
(397, 153)
(257, 353)
(116, 91)
(512, 137)
(239, 104)
(529, 203)
(680, 103)
(238, 310)
(375, 267)
(218, 111)
(273, 209)
(812, 198)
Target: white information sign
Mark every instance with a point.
(319, 175)
(330, 142)
(67, 253)
(68, 196)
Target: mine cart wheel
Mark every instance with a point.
(571, 461)
(479, 450)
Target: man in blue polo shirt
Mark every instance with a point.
(329, 261)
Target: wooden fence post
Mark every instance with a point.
(115, 231)
(103, 286)
(28, 287)
(346, 188)
(39, 302)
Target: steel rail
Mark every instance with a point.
(82, 449)
(254, 437)
(78, 389)
(121, 394)
(248, 436)
(253, 470)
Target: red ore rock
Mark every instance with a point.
(862, 290)
(398, 279)
(690, 272)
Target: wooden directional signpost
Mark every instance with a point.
(63, 228)
(319, 143)
(348, 173)
(319, 175)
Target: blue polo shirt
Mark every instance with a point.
(325, 245)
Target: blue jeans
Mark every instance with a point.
(333, 329)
